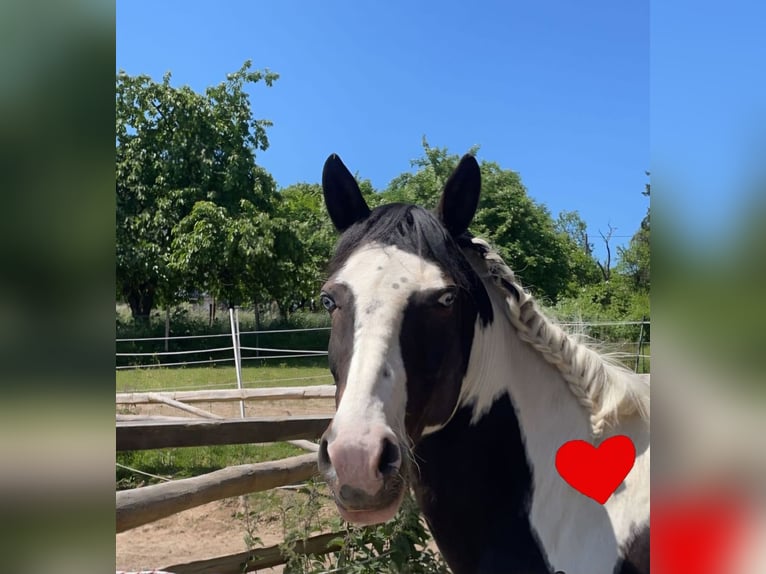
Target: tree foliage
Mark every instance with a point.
(635, 259)
(545, 257)
(195, 213)
(584, 267)
(175, 148)
(302, 205)
(623, 294)
(222, 253)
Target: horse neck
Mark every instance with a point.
(526, 354)
(502, 363)
(513, 412)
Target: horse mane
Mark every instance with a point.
(606, 389)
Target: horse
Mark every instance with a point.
(452, 381)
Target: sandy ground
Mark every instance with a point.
(214, 529)
(206, 531)
(231, 409)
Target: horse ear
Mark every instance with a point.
(342, 195)
(460, 197)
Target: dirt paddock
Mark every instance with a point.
(214, 529)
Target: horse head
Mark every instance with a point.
(404, 302)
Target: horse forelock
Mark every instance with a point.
(606, 389)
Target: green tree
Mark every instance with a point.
(174, 148)
(570, 223)
(524, 233)
(634, 260)
(583, 265)
(302, 204)
(225, 254)
(622, 293)
(520, 229)
(425, 185)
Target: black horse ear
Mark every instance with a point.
(460, 197)
(342, 195)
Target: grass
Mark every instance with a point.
(193, 461)
(314, 372)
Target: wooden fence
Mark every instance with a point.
(146, 504)
(257, 559)
(149, 434)
(209, 396)
(139, 506)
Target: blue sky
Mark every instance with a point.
(558, 91)
(708, 114)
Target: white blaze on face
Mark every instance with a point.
(382, 279)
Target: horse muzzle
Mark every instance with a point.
(364, 472)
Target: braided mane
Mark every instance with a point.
(606, 389)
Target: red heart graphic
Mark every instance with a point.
(697, 532)
(596, 472)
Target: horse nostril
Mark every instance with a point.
(390, 458)
(323, 457)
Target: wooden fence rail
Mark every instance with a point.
(148, 503)
(257, 559)
(225, 395)
(142, 434)
(171, 402)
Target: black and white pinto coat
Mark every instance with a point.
(451, 380)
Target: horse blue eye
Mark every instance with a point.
(327, 302)
(448, 298)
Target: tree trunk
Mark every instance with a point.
(212, 312)
(606, 268)
(141, 301)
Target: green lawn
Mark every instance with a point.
(222, 377)
(192, 461)
(183, 462)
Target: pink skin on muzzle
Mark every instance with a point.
(362, 469)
